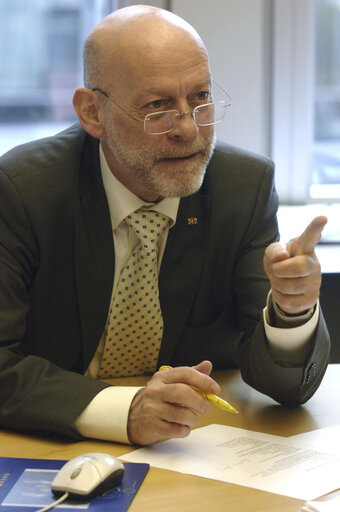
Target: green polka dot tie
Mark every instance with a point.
(135, 326)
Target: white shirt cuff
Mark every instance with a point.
(290, 344)
(106, 415)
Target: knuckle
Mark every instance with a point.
(179, 393)
(153, 389)
(188, 418)
(301, 266)
(317, 267)
(172, 429)
(150, 392)
(200, 405)
(180, 431)
(180, 415)
(148, 410)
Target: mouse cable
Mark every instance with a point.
(54, 504)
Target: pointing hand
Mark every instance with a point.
(294, 270)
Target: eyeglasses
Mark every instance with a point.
(158, 123)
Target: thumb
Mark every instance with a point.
(306, 242)
(204, 367)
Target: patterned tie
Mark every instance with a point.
(135, 326)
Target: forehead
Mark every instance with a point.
(166, 81)
(175, 64)
(170, 82)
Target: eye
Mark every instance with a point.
(200, 98)
(203, 96)
(158, 104)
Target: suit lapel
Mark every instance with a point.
(94, 254)
(181, 269)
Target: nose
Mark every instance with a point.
(186, 128)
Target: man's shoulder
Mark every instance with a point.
(225, 153)
(231, 165)
(235, 175)
(46, 152)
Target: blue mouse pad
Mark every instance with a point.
(25, 485)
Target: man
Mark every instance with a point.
(67, 218)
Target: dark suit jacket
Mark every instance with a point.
(57, 267)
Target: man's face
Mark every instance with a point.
(167, 165)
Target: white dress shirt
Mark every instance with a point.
(96, 421)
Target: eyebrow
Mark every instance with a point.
(159, 92)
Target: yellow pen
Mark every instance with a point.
(214, 399)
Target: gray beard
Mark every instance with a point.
(145, 165)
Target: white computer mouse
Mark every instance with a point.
(88, 475)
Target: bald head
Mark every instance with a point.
(136, 37)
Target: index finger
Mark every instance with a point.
(306, 242)
(191, 377)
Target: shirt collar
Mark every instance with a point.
(122, 201)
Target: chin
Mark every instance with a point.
(180, 189)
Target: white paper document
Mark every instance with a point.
(253, 459)
(327, 439)
(330, 505)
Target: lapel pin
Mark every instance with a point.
(192, 221)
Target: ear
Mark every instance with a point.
(87, 107)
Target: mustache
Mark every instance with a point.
(179, 151)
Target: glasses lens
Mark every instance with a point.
(160, 122)
(211, 113)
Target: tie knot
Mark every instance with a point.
(148, 226)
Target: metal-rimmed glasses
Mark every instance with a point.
(158, 123)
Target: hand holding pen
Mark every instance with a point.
(213, 399)
(168, 406)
